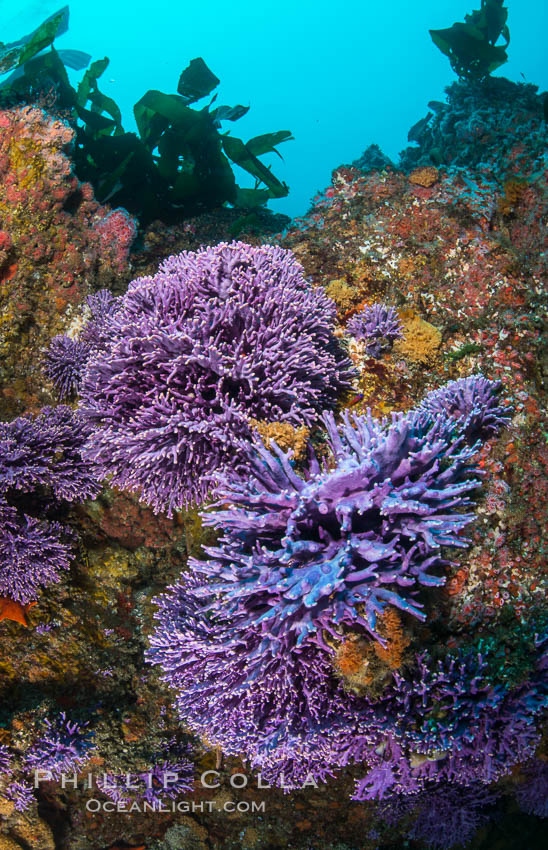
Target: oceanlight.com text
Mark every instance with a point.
(159, 807)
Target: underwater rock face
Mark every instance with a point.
(56, 245)
(493, 126)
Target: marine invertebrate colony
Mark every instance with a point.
(378, 326)
(301, 554)
(448, 723)
(214, 339)
(40, 467)
(246, 639)
(33, 553)
(67, 356)
(62, 747)
(283, 713)
(169, 777)
(449, 816)
(532, 795)
(65, 361)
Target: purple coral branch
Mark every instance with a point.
(216, 338)
(378, 326)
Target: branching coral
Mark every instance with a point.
(215, 338)
(67, 357)
(65, 361)
(168, 778)
(244, 640)
(63, 747)
(40, 466)
(20, 794)
(337, 545)
(532, 794)
(378, 326)
(5, 759)
(449, 723)
(33, 553)
(476, 398)
(45, 451)
(282, 714)
(447, 816)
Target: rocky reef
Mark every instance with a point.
(57, 245)
(351, 630)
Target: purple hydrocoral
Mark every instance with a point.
(20, 794)
(33, 552)
(532, 794)
(293, 721)
(102, 306)
(216, 338)
(64, 364)
(448, 816)
(243, 639)
(40, 465)
(378, 326)
(440, 816)
(301, 553)
(46, 451)
(167, 779)
(474, 398)
(67, 357)
(447, 723)
(5, 760)
(63, 747)
(286, 716)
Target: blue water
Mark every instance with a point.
(338, 75)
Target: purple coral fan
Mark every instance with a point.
(66, 358)
(472, 400)
(532, 794)
(32, 553)
(303, 553)
(168, 779)
(447, 723)
(40, 465)
(63, 747)
(64, 364)
(215, 338)
(378, 325)
(447, 816)
(243, 638)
